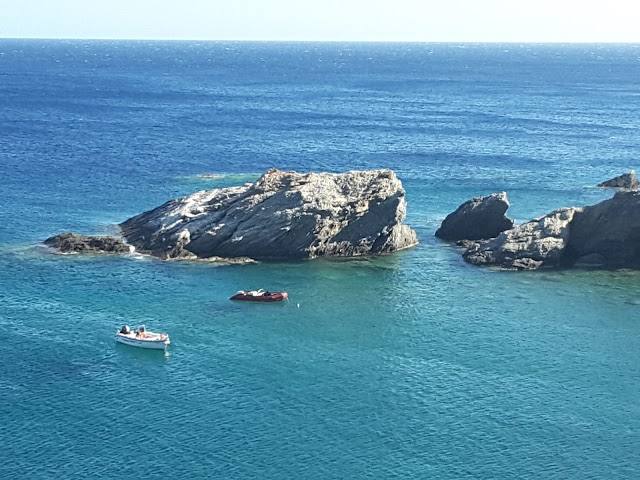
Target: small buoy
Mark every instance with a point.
(298, 305)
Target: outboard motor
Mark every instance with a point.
(125, 330)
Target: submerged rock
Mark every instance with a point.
(477, 219)
(282, 215)
(209, 175)
(626, 180)
(72, 243)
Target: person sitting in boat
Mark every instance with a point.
(141, 332)
(125, 330)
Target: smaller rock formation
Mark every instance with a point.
(480, 218)
(626, 180)
(603, 235)
(72, 243)
(539, 242)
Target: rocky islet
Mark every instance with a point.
(283, 215)
(605, 235)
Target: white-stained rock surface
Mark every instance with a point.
(529, 246)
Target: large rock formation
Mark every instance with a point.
(605, 235)
(626, 180)
(72, 243)
(477, 219)
(281, 215)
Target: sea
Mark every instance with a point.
(413, 365)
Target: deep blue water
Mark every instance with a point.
(414, 365)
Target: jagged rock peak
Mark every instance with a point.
(626, 180)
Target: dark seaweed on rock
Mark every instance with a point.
(73, 243)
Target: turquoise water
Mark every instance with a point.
(413, 365)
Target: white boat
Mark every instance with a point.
(142, 338)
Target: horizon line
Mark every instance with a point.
(474, 42)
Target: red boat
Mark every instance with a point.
(259, 296)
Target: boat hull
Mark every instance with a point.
(159, 343)
(271, 297)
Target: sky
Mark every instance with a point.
(566, 21)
